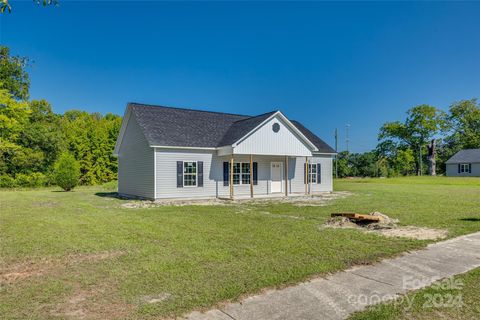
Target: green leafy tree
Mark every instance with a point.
(464, 124)
(44, 133)
(404, 162)
(13, 76)
(421, 125)
(67, 172)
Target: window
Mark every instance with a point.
(245, 173)
(312, 173)
(189, 174)
(464, 168)
(241, 173)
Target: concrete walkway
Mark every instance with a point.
(339, 295)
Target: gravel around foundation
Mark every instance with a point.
(320, 199)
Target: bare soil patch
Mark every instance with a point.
(20, 271)
(94, 302)
(320, 199)
(387, 227)
(142, 204)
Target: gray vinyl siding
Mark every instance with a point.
(166, 186)
(452, 170)
(297, 184)
(135, 163)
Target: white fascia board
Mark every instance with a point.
(325, 153)
(123, 127)
(284, 118)
(184, 148)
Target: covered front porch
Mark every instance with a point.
(267, 176)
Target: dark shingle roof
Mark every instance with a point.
(465, 156)
(321, 145)
(166, 126)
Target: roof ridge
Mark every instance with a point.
(253, 117)
(188, 109)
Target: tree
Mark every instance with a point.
(422, 124)
(404, 162)
(464, 124)
(5, 4)
(67, 172)
(13, 76)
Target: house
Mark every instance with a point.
(465, 163)
(166, 152)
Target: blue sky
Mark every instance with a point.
(324, 64)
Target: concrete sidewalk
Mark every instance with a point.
(339, 295)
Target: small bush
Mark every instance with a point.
(67, 172)
(7, 182)
(37, 179)
(22, 180)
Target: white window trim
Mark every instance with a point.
(310, 174)
(464, 167)
(196, 174)
(241, 174)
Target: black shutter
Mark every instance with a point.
(469, 168)
(319, 173)
(255, 173)
(225, 173)
(179, 174)
(200, 173)
(459, 168)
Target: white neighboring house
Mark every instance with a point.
(465, 163)
(168, 152)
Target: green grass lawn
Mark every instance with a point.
(457, 299)
(81, 254)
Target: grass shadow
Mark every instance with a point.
(471, 219)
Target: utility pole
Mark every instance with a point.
(347, 140)
(336, 150)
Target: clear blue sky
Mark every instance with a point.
(324, 64)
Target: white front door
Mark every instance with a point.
(276, 174)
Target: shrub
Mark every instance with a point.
(66, 172)
(22, 180)
(7, 182)
(37, 179)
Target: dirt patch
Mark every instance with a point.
(94, 302)
(314, 200)
(415, 233)
(20, 271)
(320, 199)
(45, 204)
(387, 227)
(155, 298)
(142, 204)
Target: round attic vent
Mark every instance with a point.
(276, 127)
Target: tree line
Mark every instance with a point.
(32, 136)
(418, 145)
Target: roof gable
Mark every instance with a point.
(465, 156)
(266, 140)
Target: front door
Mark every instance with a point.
(276, 173)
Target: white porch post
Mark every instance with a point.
(286, 176)
(306, 175)
(251, 176)
(231, 176)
